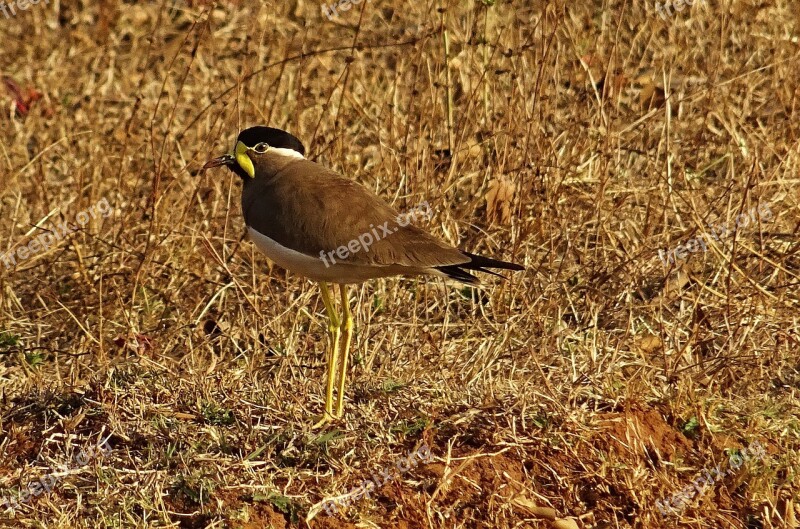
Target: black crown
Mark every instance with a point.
(272, 137)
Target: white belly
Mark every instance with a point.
(313, 267)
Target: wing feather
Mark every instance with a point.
(312, 209)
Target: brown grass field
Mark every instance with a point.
(576, 138)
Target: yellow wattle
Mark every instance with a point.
(244, 161)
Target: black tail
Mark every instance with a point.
(479, 263)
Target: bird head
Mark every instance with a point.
(257, 150)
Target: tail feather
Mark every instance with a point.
(478, 263)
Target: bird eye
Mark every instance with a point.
(261, 148)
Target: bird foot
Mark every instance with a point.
(324, 420)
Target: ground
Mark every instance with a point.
(640, 161)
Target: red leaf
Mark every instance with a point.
(21, 101)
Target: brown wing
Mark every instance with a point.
(312, 209)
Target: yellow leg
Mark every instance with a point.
(333, 352)
(347, 332)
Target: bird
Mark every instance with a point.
(316, 223)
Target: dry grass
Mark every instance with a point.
(596, 383)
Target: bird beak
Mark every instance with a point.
(225, 159)
(239, 156)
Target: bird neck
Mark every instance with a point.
(277, 162)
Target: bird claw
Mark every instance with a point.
(324, 420)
